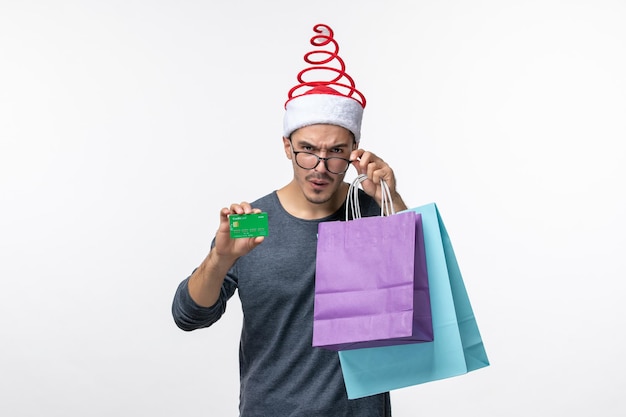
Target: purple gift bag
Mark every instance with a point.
(371, 281)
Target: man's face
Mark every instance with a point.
(319, 185)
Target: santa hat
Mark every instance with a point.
(334, 101)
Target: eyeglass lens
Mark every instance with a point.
(308, 160)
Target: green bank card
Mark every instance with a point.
(248, 225)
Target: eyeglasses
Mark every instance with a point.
(308, 160)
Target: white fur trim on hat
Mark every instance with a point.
(311, 109)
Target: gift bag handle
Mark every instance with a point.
(352, 202)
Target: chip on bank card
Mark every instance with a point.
(248, 225)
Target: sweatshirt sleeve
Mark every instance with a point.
(190, 316)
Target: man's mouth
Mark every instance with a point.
(318, 183)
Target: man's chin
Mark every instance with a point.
(318, 198)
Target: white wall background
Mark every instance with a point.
(126, 125)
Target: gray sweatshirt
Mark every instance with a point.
(281, 373)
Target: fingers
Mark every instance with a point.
(242, 208)
(374, 167)
(376, 170)
(227, 247)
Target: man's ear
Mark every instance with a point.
(287, 146)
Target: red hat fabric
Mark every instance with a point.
(332, 98)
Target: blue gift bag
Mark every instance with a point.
(457, 347)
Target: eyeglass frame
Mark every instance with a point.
(319, 159)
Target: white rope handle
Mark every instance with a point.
(352, 202)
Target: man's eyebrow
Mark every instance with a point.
(303, 142)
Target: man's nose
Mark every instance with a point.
(321, 166)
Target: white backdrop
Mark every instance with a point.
(126, 125)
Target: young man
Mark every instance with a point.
(281, 373)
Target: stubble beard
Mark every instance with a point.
(322, 196)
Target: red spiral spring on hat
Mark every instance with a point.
(319, 58)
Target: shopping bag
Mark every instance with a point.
(457, 347)
(371, 281)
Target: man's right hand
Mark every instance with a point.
(230, 249)
(206, 281)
